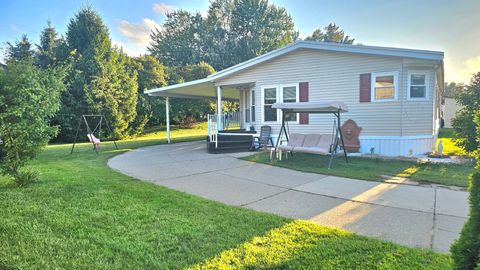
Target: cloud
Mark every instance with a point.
(13, 27)
(463, 71)
(130, 50)
(138, 33)
(163, 8)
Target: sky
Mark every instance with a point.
(441, 25)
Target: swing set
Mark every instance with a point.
(95, 140)
(326, 144)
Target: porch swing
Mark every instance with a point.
(94, 140)
(312, 143)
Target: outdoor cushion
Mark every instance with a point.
(311, 140)
(285, 147)
(325, 141)
(296, 140)
(312, 150)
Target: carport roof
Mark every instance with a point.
(205, 87)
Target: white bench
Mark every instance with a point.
(307, 143)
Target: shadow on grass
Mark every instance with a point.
(304, 245)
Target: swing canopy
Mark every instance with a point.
(325, 106)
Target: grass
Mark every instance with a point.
(374, 169)
(447, 136)
(83, 215)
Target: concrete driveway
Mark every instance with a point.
(416, 216)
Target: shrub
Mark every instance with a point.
(29, 98)
(464, 120)
(187, 122)
(25, 176)
(466, 250)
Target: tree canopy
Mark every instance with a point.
(101, 79)
(330, 33)
(20, 50)
(233, 31)
(466, 122)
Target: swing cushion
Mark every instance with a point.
(93, 139)
(309, 143)
(296, 140)
(311, 140)
(323, 145)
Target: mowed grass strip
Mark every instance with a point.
(373, 168)
(83, 215)
(304, 245)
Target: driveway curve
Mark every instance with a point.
(416, 216)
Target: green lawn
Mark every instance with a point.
(373, 169)
(83, 215)
(449, 148)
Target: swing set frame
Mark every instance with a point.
(321, 107)
(83, 119)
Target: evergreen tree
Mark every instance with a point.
(331, 33)
(151, 74)
(113, 93)
(99, 80)
(46, 50)
(21, 50)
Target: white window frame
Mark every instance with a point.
(418, 72)
(252, 100)
(297, 98)
(279, 97)
(263, 102)
(395, 85)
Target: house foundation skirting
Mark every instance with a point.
(397, 145)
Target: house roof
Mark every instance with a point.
(314, 45)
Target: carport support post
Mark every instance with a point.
(167, 117)
(219, 108)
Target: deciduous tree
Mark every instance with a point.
(331, 33)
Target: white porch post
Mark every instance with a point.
(219, 108)
(167, 117)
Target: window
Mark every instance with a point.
(272, 94)
(289, 94)
(247, 106)
(269, 97)
(384, 86)
(252, 106)
(417, 85)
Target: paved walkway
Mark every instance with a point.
(417, 216)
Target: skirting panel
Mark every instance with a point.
(397, 146)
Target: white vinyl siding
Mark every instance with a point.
(335, 76)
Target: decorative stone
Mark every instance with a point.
(351, 133)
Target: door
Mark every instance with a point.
(249, 108)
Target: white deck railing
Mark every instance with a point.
(216, 123)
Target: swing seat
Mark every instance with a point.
(93, 139)
(309, 143)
